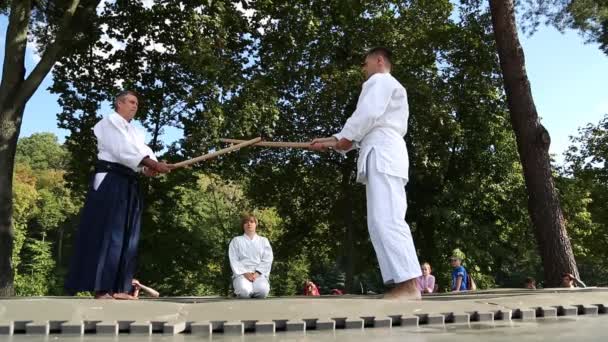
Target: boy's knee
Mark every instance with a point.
(262, 290)
(242, 289)
(262, 293)
(243, 293)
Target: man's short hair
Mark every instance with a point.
(386, 53)
(248, 217)
(120, 96)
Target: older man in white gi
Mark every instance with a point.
(251, 260)
(377, 128)
(105, 254)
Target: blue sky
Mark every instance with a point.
(568, 79)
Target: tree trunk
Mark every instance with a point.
(10, 121)
(10, 124)
(533, 145)
(15, 91)
(347, 219)
(60, 247)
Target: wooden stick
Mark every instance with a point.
(270, 143)
(242, 144)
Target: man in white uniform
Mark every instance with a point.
(377, 128)
(106, 242)
(251, 261)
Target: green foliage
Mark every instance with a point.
(583, 187)
(36, 277)
(5, 6)
(484, 281)
(24, 200)
(289, 276)
(41, 151)
(590, 17)
(43, 209)
(329, 277)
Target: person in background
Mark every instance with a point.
(530, 283)
(459, 275)
(426, 282)
(311, 289)
(570, 281)
(139, 287)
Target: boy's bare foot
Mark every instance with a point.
(404, 291)
(123, 296)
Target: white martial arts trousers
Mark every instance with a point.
(243, 288)
(390, 234)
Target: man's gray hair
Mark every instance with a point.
(120, 96)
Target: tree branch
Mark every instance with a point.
(52, 52)
(14, 52)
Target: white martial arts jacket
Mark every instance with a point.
(250, 255)
(380, 123)
(119, 141)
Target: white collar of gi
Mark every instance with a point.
(378, 74)
(247, 237)
(121, 118)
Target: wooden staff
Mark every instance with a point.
(272, 143)
(242, 144)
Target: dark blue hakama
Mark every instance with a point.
(106, 242)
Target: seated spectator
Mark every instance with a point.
(570, 281)
(459, 275)
(426, 282)
(530, 283)
(139, 287)
(251, 260)
(311, 289)
(136, 288)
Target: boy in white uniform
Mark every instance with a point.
(251, 260)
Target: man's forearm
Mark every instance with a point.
(150, 291)
(156, 166)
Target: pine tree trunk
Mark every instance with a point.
(533, 145)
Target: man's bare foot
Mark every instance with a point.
(404, 291)
(123, 296)
(103, 295)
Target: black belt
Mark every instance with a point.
(106, 166)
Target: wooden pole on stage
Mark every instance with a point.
(305, 145)
(241, 144)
